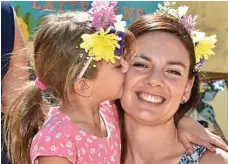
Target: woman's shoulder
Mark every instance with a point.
(219, 157)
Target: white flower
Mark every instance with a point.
(173, 12)
(78, 138)
(113, 158)
(94, 137)
(70, 153)
(83, 151)
(167, 3)
(47, 139)
(36, 147)
(92, 151)
(160, 6)
(89, 140)
(82, 133)
(53, 148)
(182, 10)
(120, 25)
(90, 158)
(58, 135)
(52, 128)
(48, 125)
(100, 146)
(69, 144)
(173, 3)
(197, 36)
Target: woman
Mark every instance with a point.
(161, 86)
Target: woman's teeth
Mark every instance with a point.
(150, 98)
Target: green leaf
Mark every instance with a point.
(40, 19)
(18, 11)
(28, 18)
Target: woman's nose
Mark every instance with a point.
(155, 78)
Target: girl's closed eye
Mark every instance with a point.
(118, 66)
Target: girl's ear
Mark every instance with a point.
(83, 87)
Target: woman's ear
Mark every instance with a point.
(188, 89)
(83, 87)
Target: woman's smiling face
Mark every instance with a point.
(157, 80)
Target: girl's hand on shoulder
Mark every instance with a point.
(191, 132)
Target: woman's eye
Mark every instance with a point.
(140, 65)
(174, 72)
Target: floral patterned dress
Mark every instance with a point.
(193, 158)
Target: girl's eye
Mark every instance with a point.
(174, 72)
(141, 65)
(118, 66)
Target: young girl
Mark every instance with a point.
(81, 66)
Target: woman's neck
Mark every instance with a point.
(151, 144)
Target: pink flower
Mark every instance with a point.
(189, 22)
(96, 5)
(103, 13)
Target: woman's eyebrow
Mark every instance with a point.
(177, 63)
(143, 57)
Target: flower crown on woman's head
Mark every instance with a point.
(203, 44)
(107, 42)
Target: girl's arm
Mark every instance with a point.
(191, 132)
(53, 160)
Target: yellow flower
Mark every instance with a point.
(204, 47)
(101, 45)
(24, 28)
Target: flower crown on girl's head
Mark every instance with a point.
(203, 44)
(107, 42)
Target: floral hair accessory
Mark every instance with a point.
(108, 40)
(203, 44)
(101, 45)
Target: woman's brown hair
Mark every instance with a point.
(57, 63)
(151, 23)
